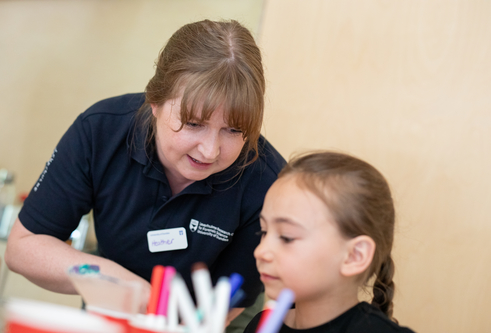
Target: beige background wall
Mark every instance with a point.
(403, 84)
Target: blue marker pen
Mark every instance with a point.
(275, 320)
(235, 281)
(237, 298)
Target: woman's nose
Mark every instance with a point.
(209, 146)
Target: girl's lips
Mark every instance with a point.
(267, 277)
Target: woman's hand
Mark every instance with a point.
(232, 314)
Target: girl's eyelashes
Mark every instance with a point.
(286, 239)
(261, 233)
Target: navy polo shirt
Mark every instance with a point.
(101, 164)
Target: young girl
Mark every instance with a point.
(327, 227)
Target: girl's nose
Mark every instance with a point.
(262, 251)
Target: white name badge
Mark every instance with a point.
(167, 239)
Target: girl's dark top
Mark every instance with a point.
(101, 164)
(363, 317)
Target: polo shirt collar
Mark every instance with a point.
(135, 142)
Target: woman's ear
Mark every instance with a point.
(155, 109)
(360, 251)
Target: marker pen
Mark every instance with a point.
(220, 306)
(237, 298)
(268, 308)
(275, 319)
(185, 303)
(203, 289)
(164, 293)
(172, 316)
(236, 281)
(156, 286)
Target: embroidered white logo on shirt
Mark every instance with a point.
(193, 225)
(45, 171)
(210, 230)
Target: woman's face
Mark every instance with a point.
(301, 247)
(199, 149)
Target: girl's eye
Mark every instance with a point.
(191, 124)
(286, 239)
(261, 233)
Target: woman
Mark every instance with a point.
(187, 155)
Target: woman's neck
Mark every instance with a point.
(177, 182)
(177, 186)
(313, 313)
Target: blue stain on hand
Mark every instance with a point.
(85, 269)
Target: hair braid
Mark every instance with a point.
(384, 287)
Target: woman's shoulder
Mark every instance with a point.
(116, 106)
(269, 158)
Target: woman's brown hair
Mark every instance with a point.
(359, 198)
(213, 64)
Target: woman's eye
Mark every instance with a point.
(235, 131)
(191, 124)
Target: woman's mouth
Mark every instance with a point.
(198, 163)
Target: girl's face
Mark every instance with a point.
(301, 248)
(199, 149)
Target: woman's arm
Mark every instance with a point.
(44, 260)
(232, 314)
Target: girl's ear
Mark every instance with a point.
(359, 255)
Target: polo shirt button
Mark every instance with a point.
(165, 198)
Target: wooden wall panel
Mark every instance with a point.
(405, 85)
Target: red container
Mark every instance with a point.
(26, 316)
(120, 318)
